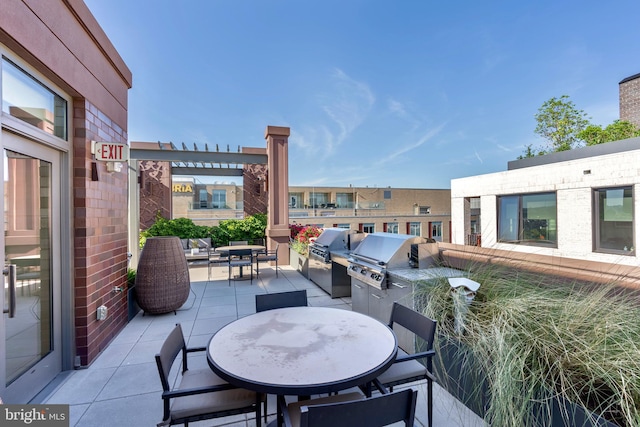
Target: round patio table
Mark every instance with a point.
(302, 350)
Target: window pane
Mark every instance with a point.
(615, 219)
(27, 99)
(369, 228)
(219, 199)
(508, 219)
(539, 217)
(392, 227)
(414, 229)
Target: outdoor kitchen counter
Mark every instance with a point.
(419, 274)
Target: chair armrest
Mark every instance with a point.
(194, 349)
(191, 391)
(421, 355)
(282, 405)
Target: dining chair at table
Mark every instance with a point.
(240, 258)
(201, 394)
(216, 258)
(407, 367)
(352, 409)
(267, 256)
(266, 302)
(238, 243)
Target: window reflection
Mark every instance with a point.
(25, 98)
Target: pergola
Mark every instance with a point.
(210, 162)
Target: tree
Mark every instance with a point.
(619, 129)
(560, 123)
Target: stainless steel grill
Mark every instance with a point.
(327, 260)
(377, 254)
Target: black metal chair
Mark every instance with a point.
(268, 256)
(201, 394)
(266, 302)
(216, 258)
(407, 367)
(240, 258)
(238, 243)
(348, 410)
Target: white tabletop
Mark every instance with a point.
(302, 350)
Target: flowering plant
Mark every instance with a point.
(301, 236)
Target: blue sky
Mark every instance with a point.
(376, 93)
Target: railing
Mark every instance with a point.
(474, 239)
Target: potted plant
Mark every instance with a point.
(300, 237)
(132, 304)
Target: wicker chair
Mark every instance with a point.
(162, 278)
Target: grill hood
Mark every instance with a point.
(386, 250)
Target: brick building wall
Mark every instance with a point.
(629, 90)
(100, 234)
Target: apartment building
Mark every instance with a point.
(420, 212)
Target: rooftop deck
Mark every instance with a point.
(122, 386)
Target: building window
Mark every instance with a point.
(425, 210)
(204, 196)
(369, 227)
(219, 199)
(318, 200)
(528, 219)
(614, 220)
(347, 226)
(344, 200)
(414, 229)
(387, 194)
(436, 231)
(392, 227)
(295, 200)
(25, 98)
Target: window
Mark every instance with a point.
(204, 196)
(528, 219)
(344, 200)
(436, 231)
(29, 100)
(295, 200)
(414, 229)
(392, 227)
(425, 210)
(347, 226)
(369, 227)
(318, 200)
(387, 194)
(614, 220)
(219, 199)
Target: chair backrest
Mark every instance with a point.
(415, 322)
(238, 242)
(240, 253)
(375, 411)
(266, 302)
(173, 345)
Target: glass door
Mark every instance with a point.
(30, 356)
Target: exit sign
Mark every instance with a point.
(111, 151)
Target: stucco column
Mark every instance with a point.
(278, 190)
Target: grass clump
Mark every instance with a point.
(535, 339)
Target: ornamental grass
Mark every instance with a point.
(537, 338)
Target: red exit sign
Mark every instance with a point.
(111, 151)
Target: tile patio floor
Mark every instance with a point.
(122, 387)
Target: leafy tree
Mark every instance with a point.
(560, 123)
(530, 152)
(619, 129)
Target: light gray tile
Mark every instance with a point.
(83, 386)
(113, 355)
(136, 410)
(143, 352)
(131, 380)
(217, 311)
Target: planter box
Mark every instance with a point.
(299, 262)
(457, 371)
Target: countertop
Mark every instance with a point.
(417, 274)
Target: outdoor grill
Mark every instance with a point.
(328, 260)
(378, 253)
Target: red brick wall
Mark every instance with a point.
(100, 210)
(630, 99)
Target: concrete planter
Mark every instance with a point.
(299, 262)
